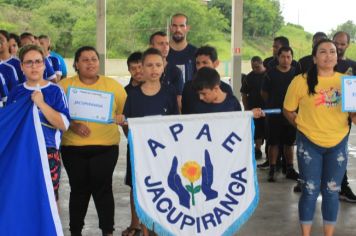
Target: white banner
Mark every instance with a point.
(194, 174)
(90, 105)
(348, 91)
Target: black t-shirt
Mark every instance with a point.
(251, 86)
(184, 60)
(229, 104)
(190, 98)
(275, 85)
(346, 67)
(306, 63)
(162, 103)
(174, 77)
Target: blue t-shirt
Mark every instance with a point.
(229, 104)
(9, 74)
(55, 98)
(16, 63)
(184, 60)
(174, 77)
(4, 92)
(162, 103)
(190, 98)
(56, 65)
(62, 63)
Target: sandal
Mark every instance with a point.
(131, 231)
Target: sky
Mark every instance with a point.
(318, 15)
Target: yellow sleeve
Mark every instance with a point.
(120, 99)
(291, 100)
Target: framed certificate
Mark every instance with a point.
(90, 105)
(348, 91)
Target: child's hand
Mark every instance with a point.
(120, 120)
(80, 129)
(258, 113)
(37, 98)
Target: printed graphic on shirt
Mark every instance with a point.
(328, 97)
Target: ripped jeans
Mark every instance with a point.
(321, 170)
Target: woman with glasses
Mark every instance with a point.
(90, 146)
(50, 101)
(322, 135)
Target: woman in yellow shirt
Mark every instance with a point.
(90, 146)
(322, 135)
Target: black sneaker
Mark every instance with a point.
(347, 195)
(264, 165)
(271, 176)
(298, 187)
(292, 174)
(258, 154)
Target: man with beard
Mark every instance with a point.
(181, 53)
(346, 66)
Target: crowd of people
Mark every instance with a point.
(174, 77)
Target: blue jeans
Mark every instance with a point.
(321, 170)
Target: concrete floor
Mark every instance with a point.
(276, 214)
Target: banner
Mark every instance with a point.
(194, 174)
(27, 202)
(348, 92)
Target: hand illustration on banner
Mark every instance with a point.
(175, 183)
(207, 179)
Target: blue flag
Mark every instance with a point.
(27, 202)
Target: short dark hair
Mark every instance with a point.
(5, 34)
(159, 33)
(256, 59)
(320, 35)
(207, 51)
(15, 37)
(79, 51)
(205, 78)
(284, 41)
(342, 32)
(135, 57)
(151, 51)
(31, 47)
(285, 49)
(180, 14)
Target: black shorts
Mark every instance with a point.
(259, 128)
(128, 177)
(280, 132)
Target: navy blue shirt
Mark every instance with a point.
(346, 67)
(174, 77)
(272, 62)
(306, 63)
(190, 98)
(229, 104)
(162, 103)
(184, 60)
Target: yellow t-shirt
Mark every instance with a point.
(101, 134)
(319, 117)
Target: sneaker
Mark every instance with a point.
(264, 165)
(258, 154)
(347, 195)
(292, 174)
(271, 176)
(298, 187)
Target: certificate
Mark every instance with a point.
(348, 90)
(90, 105)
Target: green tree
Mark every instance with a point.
(225, 8)
(348, 27)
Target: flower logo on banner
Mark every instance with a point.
(192, 171)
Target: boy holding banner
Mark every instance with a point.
(151, 98)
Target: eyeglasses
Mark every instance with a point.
(30, 63)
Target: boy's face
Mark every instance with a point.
(205, 61)
(152, 67)
(135, 69)
(162, 44)
(208, 95)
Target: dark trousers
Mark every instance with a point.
(90, 170)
